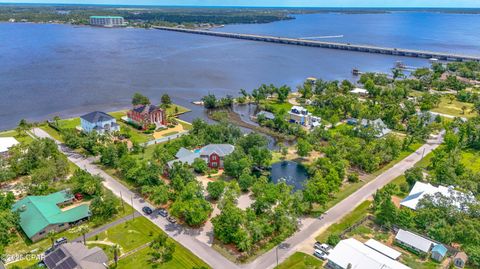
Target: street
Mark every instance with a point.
(307, 232)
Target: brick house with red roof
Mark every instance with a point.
(145, 115)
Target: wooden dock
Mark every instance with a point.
(331, 45)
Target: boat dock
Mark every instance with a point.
(331, 45)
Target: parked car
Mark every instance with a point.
(171, 219)
(320, 254)
(323, 247)
(147, 210)
(163, 212)
(61, 240)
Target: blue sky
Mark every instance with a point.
(276, 3)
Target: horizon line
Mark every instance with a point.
(231, 6)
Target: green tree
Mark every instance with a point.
(84, 229)
(303, 147)
(162, 249)
(199, 165)
(139, 99)
(166, 101)
(215, 189)
(209, 101)
(413, 175)
(51, 234)
(282, 93)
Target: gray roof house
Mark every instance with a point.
(213, 154)
(460, 259)
(414, 241)
(100, 122)
(76, 256)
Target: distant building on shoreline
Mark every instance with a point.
(107, 21)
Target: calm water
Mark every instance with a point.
(291, 173)
(48, 70)
(414, 30)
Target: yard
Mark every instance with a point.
(138, 232)
(22, 139)
(21, 244)
(471, 160)
(454, 108)
(300, 260)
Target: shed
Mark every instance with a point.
(460, 259)
(413, 241)
(438, 252)
(379, 247)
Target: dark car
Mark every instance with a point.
(171, 219)
(147, 210)
(163, 212)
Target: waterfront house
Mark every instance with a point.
(378, 125)
(99, 122)
(421, 190)
(75, 256)
(438, 252)
(300, 115)
(212, 154)
(413, 242)
(146, 115)
(460, 259)
(5, 144)
(107, 21)
(42, 214)
(351, 253)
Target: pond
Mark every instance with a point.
(291, 173)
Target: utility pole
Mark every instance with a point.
(133, 209)
(123, 203)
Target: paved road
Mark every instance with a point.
(105, 227)
(336, 213)
(309, 229)
(184, 236)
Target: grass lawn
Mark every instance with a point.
(471, 160)
(356, 215)
(26, 139)
(129, 235)
(52, 132)
(137, 232)
(455, 108)
(71, 123)
(23, 263)
(278, 106)
(414, 262)
(182, 259)
(300, 260)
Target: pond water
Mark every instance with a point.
(291, 173)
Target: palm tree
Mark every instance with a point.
(56, 119)
(115, 251)
(84, 229)
(51, 235)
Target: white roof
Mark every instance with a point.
(299, 108)
(351, 251)
(414, 240)
(387, 251)
(359, 90)
(421, 189)
(6, 143)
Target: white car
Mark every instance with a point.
(320, 254)
(323, 247)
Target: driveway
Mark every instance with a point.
(309, 228)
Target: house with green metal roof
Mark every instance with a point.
(41, 214)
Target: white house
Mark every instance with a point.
(350, 253)
(300, 115)
(359, 91)
(420, 190)
(6, 143)
(100, 122)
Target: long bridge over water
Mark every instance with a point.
(332, 45)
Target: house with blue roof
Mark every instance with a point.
(439, 252)
(41, 214)
(100, 122)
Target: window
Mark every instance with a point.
(42, 232)
(214, 157)
(61, 225)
